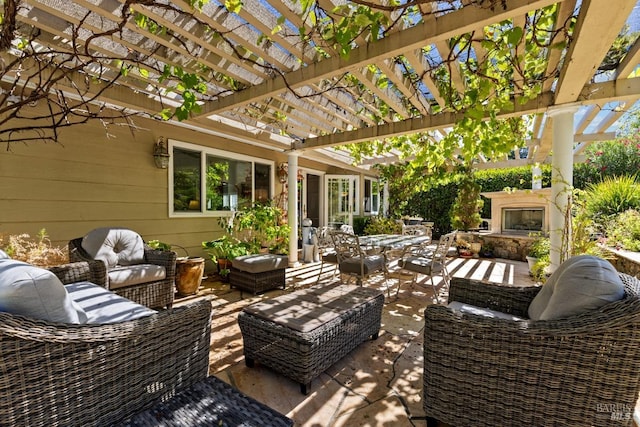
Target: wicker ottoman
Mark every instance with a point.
(303, 333)
(258, 273)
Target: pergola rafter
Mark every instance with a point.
(272, 68)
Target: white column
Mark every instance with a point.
(292, 207)
(561, 182)
(385, 200)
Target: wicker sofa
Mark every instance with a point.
(577, 371)
(154, 292)
(55, 374)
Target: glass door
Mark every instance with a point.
(341, 199)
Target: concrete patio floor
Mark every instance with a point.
(377, 384)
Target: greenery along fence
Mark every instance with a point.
(436, 202)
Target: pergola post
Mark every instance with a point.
(292, 207)
(561, 182)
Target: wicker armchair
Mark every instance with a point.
(96, 375)
(578, 371)
(154, 294)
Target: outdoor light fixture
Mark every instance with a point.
(283, 172)
(161, 154)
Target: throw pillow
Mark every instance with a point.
(114, 246)
(3, 255)
(585, 283)
(37, 293)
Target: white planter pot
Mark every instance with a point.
(531, 261)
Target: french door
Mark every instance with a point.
(341, 195)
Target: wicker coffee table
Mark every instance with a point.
(302, 333)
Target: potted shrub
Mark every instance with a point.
(538, 256)
(223, 250)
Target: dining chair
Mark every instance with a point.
(326, 250)
(425, 259)
(354, 261)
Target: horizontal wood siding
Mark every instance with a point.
(97, 177)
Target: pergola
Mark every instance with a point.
(273, 81)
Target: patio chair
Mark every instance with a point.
(134, 270)
(355, 262)
(58, 371)
(489, 360)
(326, 250)
(427, 260)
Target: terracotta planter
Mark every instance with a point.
(189, 273)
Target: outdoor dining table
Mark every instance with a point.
(385, 242)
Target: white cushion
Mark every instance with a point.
(122, 276)
(580, 284)
(3, 255)
(480, 311)
(114, 246)
(103, 306)
(37, 293)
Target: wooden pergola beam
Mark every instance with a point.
(592, 94)
(589, 47)
(432, 30)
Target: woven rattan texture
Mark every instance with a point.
(257, 282)
(302, 356)
(82, 271)
(578, 371)
(154, 294)
(97, 375)
(210, 402)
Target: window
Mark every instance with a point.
(229, 180)
(371, 196)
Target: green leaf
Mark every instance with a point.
(233, 6)
(514, 35)
(165, 114)
(144, 73)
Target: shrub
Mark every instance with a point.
(38, 251)
(624, 231)
(382, 225)
(610, 197)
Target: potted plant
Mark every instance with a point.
(261, 226)
(223, 250)
(464, 248)
(189, 269)
(538, 255)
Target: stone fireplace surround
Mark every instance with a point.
(521, 199)
(514, 246)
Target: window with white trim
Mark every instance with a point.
(206, 180)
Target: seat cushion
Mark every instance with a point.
(35, 292)
(103, 306)
(114, 246)
(420, 265)
(371, 264)
(481, 311)
(259, 263)
(122, 276)
(580, 284)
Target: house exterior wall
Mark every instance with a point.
(97, 177)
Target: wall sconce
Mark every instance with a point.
(161, 154)
(283, 172)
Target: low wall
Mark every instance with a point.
(626, 262)
(507, 246)
(516, 247)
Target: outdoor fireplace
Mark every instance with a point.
(519, 220)
(519, 212)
